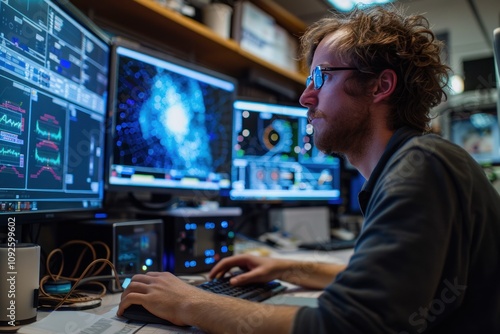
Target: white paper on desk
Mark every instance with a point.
(84, 322)
(73, 322)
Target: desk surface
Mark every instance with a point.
(76, 321)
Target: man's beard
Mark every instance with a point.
(345, 134)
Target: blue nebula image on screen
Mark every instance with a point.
(169, 125)
(172, 124)
(174, 115)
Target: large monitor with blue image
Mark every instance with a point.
(171, 124)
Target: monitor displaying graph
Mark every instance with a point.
(53, 98)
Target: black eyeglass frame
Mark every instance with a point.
(318, 77)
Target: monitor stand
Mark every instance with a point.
(153, 202)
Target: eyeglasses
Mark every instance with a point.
(318, 77)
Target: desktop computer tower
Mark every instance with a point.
(195, 239)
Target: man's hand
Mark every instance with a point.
(308, 274)
(161, 293)
(256, 269)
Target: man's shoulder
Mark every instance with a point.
(429, 139)
(434, 145)
(423, 157)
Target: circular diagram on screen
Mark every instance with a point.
(278, 136)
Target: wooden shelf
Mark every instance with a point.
(168, 29)
(284, 18)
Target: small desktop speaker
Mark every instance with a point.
(19, 283)
(195, 239)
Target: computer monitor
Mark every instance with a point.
(478, 133)
(274, 157)
(171, 125)
(496, 55)
(479, 74)
(356, 183)
(53, 99)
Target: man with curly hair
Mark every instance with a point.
(427, 258)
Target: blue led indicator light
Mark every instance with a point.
(209, 252)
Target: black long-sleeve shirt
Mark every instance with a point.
(428, 257)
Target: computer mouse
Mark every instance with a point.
(137, 313)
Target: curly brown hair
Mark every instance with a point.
(383, 37)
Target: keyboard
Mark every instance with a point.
(254, 292)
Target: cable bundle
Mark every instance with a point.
(57, 290)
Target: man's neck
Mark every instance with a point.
(367, 159)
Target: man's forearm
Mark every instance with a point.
(312, 275)
(219, 314)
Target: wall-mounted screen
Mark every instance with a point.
(274, 157)
(171, 124)
(478, 133)
(479, 74)
(53, 99)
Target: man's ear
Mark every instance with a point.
(385, 85)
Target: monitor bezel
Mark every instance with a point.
(74, 213)
(159, 194)
(496, 57)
